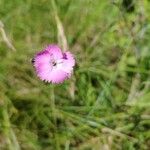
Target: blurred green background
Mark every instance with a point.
(106, 103)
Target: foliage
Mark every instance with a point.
(106, 103)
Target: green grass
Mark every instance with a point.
(105, 105)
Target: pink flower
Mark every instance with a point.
(52, 65)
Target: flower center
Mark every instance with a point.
(56, 63)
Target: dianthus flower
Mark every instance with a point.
(53, 65)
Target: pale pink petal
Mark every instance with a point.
(42, 64)
(54, 51)
(57, 76)
(42, 58)
(68, 59)
(68, 62)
